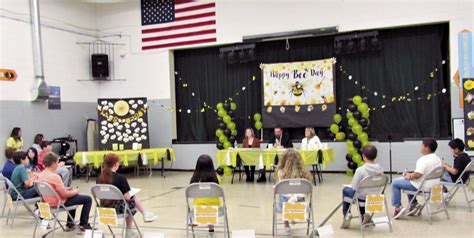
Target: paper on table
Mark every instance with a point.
(228, 162)
(144, 159)
(84, 158)
(134, 191)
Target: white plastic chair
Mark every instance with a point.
(44, 189)
(289, 187)
(205, 190)
(110, 192)
(459, 183)
(8, 191)
(436, 174)
(371, 182)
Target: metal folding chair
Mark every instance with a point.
(205, 190)
(110, 192)
(290, 187)
(374, 182)
(4, 190)
(45, 190)
(436, 174)
(8, 191)
(459, 183)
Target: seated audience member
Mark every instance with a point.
(461, 160)
(61, 170)
(68, 196)
(109, 175)
(412, 180)
(15, 140)
(250, 141)
(21, 178)
(310, 140)
(9, 165)
(369, 153)
(33, 156)
(291, 166)
(37, 142)
(205, 173)
(279, 140)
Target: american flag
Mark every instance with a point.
(172, 23)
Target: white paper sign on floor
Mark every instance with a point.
(381, 226)
(243, 234)
(97, 234)
(325, 231)
(153, 235)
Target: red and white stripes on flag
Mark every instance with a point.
(194, 23)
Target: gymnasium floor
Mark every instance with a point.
(250, 207)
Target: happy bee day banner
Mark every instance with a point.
(299, 94)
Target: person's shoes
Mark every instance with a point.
(82, 229)
(398, 212)
(211, 233)
(346, 223)
(261, 180)
(248, 180)
(413, 209)
(131, 233)
(367, 219)
(288, 230)
(70, 227)
(446, 197)
(149, 217)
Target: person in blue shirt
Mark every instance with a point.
(20, 178)
(9, 165)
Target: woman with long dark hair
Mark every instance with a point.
(15, 140)
(33, 156)
(108, 175)
(37, 142)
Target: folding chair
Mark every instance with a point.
(110, 192)
(373, 182)
(237, 169)
(437, 173)
(19, 200)
(273, 168)
(205, 190)
(45, 190)
(459, 183)
(4, 190)
(290, 187)
(317, 168)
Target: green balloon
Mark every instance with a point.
(233, 132)
(227, 119)
(220, 106)
(337, 118)
(257, 117)
(219, 132)
(363, 136)
(221, 113)
(365, 115)
(357, 100)
(352, 121)
(334, 129)
(363, 107)
(227, 145)
(231, 125)
(357, 158)
(357, 129)
(233, 106)
(349, 144)
(340, 136)
(222, 139)
(258, 125)
(364, 143)
(349, 115)
(352, 151)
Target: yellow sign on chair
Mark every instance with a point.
(374, 203)
(45, 210)
(107, 216)
(294, 211)
(436, 194)
(206, 215)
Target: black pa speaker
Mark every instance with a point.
(100, 66)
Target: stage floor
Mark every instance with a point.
(250, 207)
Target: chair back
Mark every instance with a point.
(293, 186)
(468, 169)
(3, 184)
(106, 192)
(436, 173)
(374, 181)
(45, 190)
(204, 190)
(320, 156)
(11, 188)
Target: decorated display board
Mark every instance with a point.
(299, 94)
(123, 124)
(468, 88)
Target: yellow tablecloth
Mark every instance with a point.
(97, 157)
(252, 156)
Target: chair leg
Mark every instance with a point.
(388, 215)
(93, 223)
(314, 174)
(467, 198)
(274, 220)
(14, 213)
(226, 222)
(233, 173)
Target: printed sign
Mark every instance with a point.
(374, 203)
(45, 210)
(437, 194)
(107, 216)
(294, 211)
(54, 101)
(206, 215)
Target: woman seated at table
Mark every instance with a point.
(310, 140)
(250, 141)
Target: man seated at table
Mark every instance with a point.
(279, 140)
(61, 170)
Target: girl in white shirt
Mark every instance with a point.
(311, 140)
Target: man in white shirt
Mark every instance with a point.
(412, 180)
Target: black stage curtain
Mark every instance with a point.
(407, 58)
